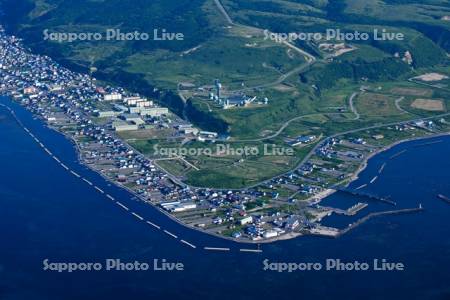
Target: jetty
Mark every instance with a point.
(363, 194)
(356, 208)
(216, 249)
(382, 168)
(378, 214)
(444, 198)
(251, 250)
(428, 144)
(398, 154)
(349, 212)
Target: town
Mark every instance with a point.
(94, 115)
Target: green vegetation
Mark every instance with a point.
(238, 59)
(304, 98)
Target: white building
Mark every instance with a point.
(122, 126)
(177, 206)
(270, 234)
(106, 114)
(154, 111)
(246, 220)
(112, 97)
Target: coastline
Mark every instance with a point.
(291, 235)
(364, 164)
(314, 199)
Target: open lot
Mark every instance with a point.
(429, 105)
(419, 92)
(376, 105)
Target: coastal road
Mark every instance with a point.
(311, 153)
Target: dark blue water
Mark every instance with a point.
(45, 212)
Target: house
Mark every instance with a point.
(291, 223)
(378, 137)
(29, 90)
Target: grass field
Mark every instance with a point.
(376, 105)
(236, 59)
(174, 166)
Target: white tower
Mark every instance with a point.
(218, 88)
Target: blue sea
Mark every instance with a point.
(47, 213)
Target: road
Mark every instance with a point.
(280, 79)
(224, 12)
(287, 123)
(352, 106)
(428, 85)
(310, 59)
(311, 153)
(283, 127)
(397, 105)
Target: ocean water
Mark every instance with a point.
(47, 213)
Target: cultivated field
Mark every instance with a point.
(428, 104)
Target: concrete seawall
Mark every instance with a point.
(378, 214)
